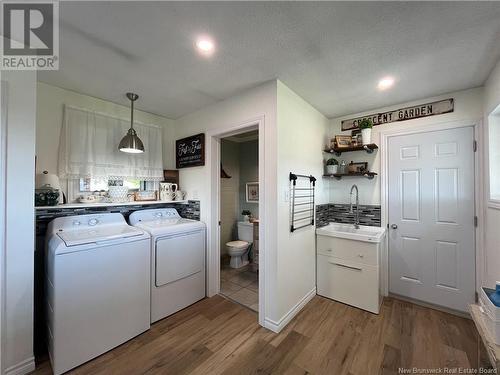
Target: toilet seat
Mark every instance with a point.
(237, 244)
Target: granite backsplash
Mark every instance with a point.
(339, 213)
(190, 210)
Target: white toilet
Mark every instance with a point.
(238, 250)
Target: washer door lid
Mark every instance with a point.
(179, 256)
(98, 234)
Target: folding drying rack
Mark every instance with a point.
(301, 201)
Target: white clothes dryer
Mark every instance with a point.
(177, 259)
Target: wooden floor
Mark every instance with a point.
(216, 336)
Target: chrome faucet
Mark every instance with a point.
(356, 217)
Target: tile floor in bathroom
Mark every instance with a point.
(240, 285)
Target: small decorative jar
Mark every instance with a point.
(343, 167)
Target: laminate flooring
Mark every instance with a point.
(217, 336)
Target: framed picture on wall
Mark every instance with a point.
(343, 141)
(252, 192)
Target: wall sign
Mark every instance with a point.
(408, 113)
(190, 151)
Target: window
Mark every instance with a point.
(494, 156)
(89, 148)
(92, 184)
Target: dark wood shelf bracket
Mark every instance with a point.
(338, 151)
(338, 176)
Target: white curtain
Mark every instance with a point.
(89, 148)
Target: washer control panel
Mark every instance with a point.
(93, 222)
(81, 222)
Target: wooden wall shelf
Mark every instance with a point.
(338, 176)
(339, 150)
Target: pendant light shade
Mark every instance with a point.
(131, 143)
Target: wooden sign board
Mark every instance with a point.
(403, 114)
(190, 151)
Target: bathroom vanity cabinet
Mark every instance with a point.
(348, 265)
(255, 262)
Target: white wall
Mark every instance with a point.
(229, 191)
(17, 329)
(302, 135)
(256, 104)
(50, 104)
(468, 106)
(491, 264)
(294, 135)
(3, 185)
(249, 172)
(240, 160)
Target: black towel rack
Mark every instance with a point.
(301, 201)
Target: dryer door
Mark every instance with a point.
(179, 256)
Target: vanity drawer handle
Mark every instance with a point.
(344, 266)
(329, 250)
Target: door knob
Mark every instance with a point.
(394, 226)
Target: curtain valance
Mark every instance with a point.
(89, 147)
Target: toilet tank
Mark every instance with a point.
(245, 231)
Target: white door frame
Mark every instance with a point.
(478, 190)
(3, 175)
(3, 182)
(213, 228)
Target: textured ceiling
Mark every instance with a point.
(332, 54)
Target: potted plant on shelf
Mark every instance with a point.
(332, 166)
(246, 215)
(366, 126)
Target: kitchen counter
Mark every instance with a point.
(105, 204)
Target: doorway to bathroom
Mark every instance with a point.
(239, 218)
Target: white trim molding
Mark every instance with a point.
(3, 181)
(277, 326)
(478, 187)
(213, 229)
(21, 368)
(493, 203)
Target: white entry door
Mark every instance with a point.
(431, 217)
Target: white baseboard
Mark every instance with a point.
(279, 325)
(21, 368)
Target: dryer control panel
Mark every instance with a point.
(154, 215)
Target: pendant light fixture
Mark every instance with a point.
(131, 143)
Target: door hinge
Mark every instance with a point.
(220, 223)
(475, 221)
(474, 145)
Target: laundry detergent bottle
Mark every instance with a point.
(495, 297)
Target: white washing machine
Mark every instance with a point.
(97, 286)
(177, 259)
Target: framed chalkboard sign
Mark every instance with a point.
(190, 151)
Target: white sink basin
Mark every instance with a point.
(348, 231)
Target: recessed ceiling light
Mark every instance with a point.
(205, 45)
(385, 83)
